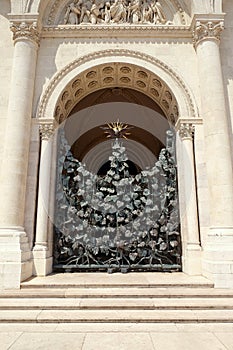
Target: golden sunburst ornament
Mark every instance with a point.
(117, 129)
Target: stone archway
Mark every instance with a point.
(182, 103)
(120, 75)
(123, 70)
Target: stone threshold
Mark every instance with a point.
(117, 280)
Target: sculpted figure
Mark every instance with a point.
(118, 11)
(85, 11)
(95, 13)
(135, 10)
(107, 13)
(72, 14)
(147, 13)
(159, 15)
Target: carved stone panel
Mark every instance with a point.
(116, 12)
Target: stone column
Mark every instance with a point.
(42, 258)
(15, 255)
(218, 262)
(192, 249)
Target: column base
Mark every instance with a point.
(42, 262)
(15, 257)
(218, 257)
(191, 260)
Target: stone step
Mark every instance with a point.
(116, 304)
(117, 280)
(110, 292)
(117, 298)
(119, 316)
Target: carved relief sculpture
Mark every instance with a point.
(115, 12)
(72, 14)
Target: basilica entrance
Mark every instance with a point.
(116, 206)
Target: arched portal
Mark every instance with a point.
(92, 81)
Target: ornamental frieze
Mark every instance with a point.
(115, 12)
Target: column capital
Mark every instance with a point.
(46, 129)
(207, 29)
(25, 30)
(186, 131)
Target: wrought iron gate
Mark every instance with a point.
(117, 222)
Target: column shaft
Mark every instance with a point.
(192, 249)
(17, 136)
(217, 256)
(15, 254)
(190, 186)
(44, 188)
(42, 256)
(217, 141)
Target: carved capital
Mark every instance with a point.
(186, 131)
(46, 130)
(25, 30)
(207, 30)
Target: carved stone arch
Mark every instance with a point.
(95, 71)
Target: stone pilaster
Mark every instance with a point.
(14, 249)
(41, 254)
(191, 254)
(206, 35)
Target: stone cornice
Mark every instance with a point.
(207, 28)
(25, 30)
(123, 31)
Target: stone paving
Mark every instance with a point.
(116, 336)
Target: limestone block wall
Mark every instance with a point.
(6, 53)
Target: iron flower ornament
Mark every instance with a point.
(117, 130)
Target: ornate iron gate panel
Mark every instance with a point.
(117, 222)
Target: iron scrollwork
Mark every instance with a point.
(118, 221)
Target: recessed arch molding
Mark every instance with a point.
(98, 70)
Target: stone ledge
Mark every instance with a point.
(121, 31)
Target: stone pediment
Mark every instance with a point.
(112, 13)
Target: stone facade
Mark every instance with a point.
(56, 54)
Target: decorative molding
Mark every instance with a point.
(122, 75)
(123, 31)
(25, 30)
(186, 131)
(204, 30)
(114, 53)
(46, 128)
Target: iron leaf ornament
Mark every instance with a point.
(118, 221)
